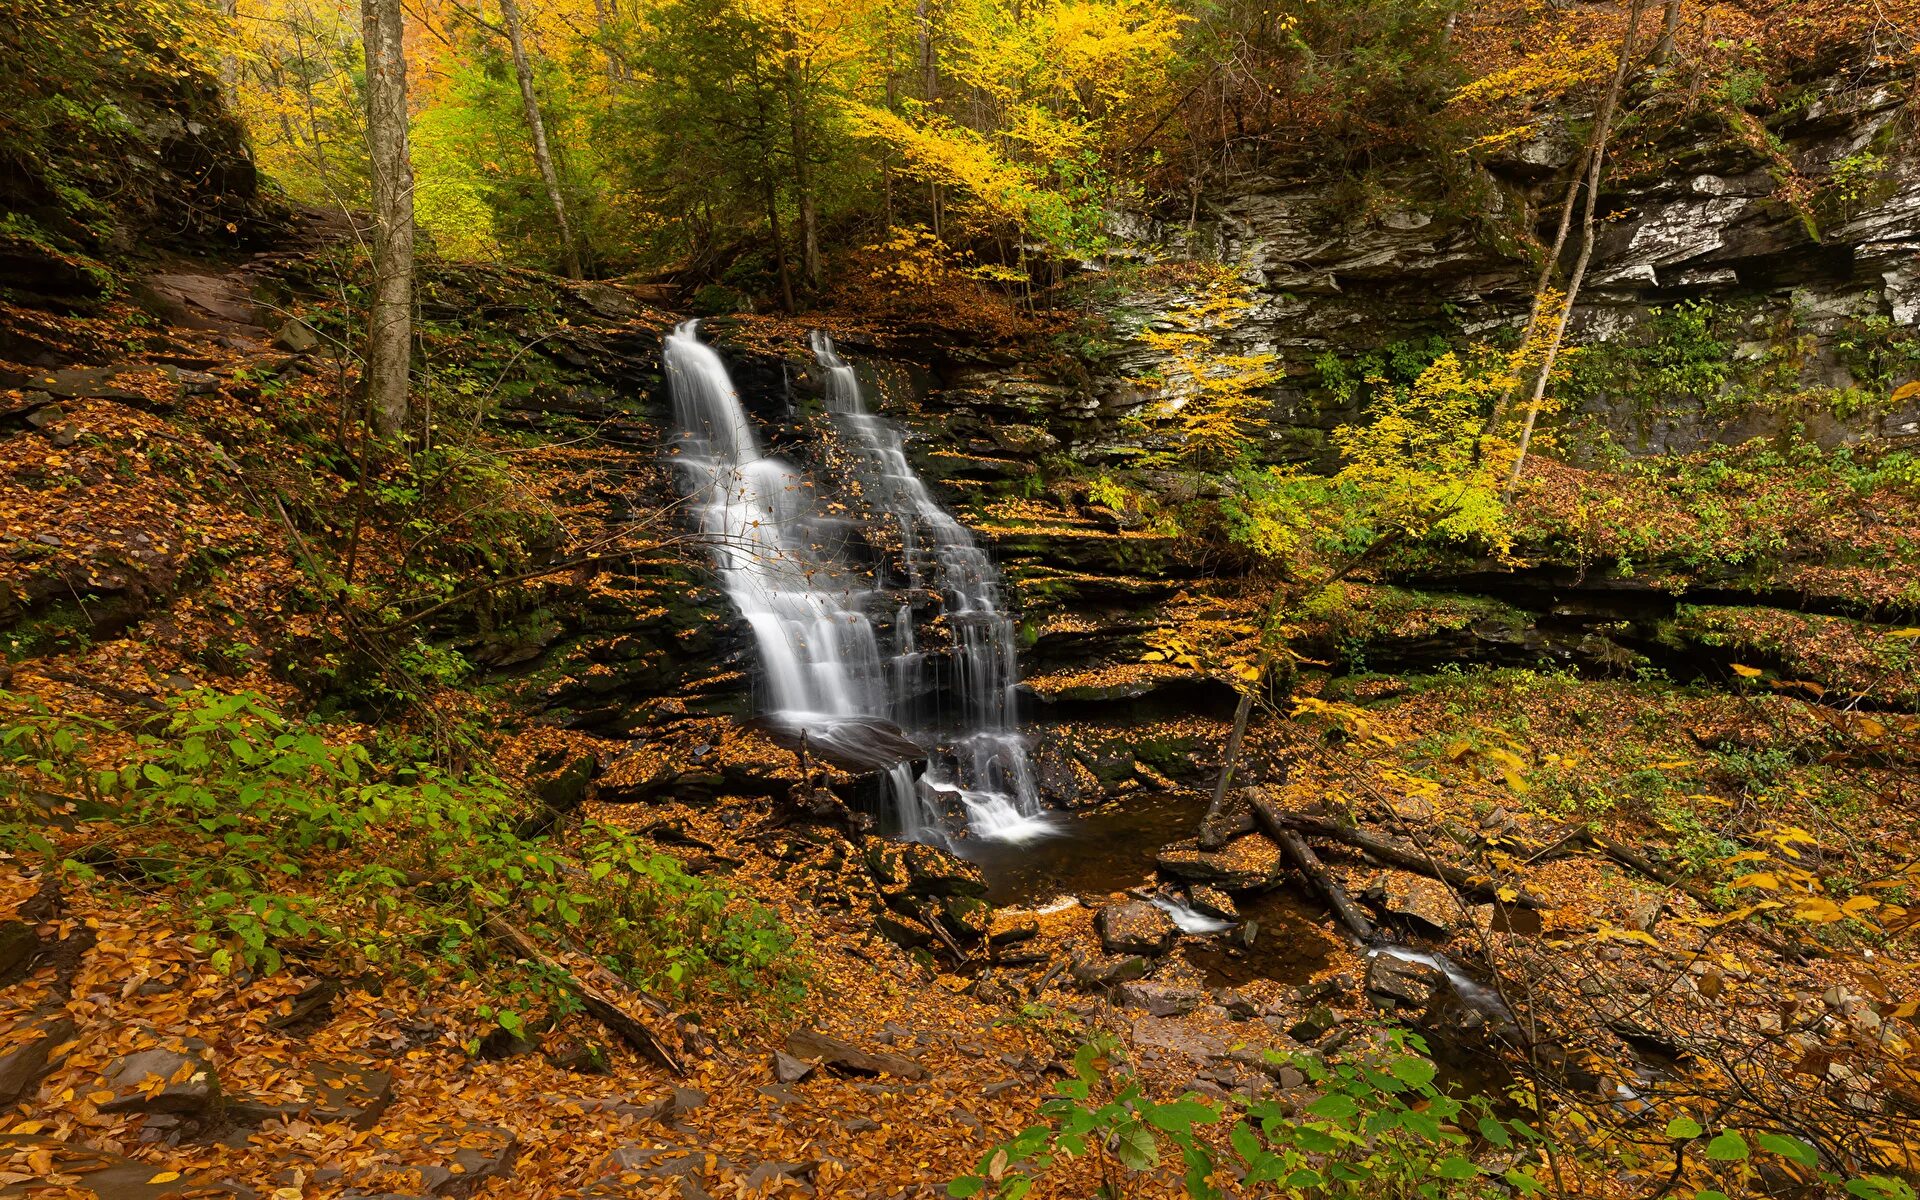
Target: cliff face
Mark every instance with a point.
(1716, 309)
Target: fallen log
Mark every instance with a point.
(606, 998)
(1392, 853)
(1324, 882)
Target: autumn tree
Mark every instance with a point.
(390, 322)
(515, 31)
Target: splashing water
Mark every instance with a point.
(991, 772)
(822, 665)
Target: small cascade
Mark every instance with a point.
(824, 673)
(991, 772)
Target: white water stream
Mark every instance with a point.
(823, 667)
(991, 773)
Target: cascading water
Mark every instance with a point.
(823, 668)
(992, 774)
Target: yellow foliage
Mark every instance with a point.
(1213, 397)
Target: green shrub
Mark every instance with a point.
(277, 843)
(1379, 1128)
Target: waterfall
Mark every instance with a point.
(992, 774)
(823, 670)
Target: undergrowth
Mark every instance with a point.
(280, 843)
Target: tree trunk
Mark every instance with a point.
(1596, 171)
(779, 243)
(537, 130)
(606, 14)
(801, 146)
(390, 324)
(1669, 29)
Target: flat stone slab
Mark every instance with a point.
(71, 1169)
(810, 1045)
(1135, 927)
(1248, 863)
(161, 1079)
(324, 1093)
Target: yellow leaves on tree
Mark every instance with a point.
(1214, 398)
(1419, 462)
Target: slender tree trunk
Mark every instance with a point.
(1538, 310)
(802, 166)
(1669, 29)
(606, 13)
(537, 130)
(1596, 172)
(229, 63)
(390, 324)
(779, 243)
(923, 31)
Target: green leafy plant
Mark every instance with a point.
(1378, 1127)
(278, 842)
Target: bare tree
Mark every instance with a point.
(390, 324)
(537, 131)
(1596, 172)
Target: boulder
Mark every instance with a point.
(19, 944)
(161, 1080)
(919, 870)
(297, 337)
(1246, 864)
(23, 1066)
(1427, 905)
(1161, 999)
(967, 918)
(788, 1069)
(1402, 983)
(1105, 972)
(1212, 902)
(1317, 1024)
(1135, 927)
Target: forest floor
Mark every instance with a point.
(147, 558)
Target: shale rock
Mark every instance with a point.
(1106, 972)
(1246, 864)
(161, 1080)
(1135, 927)
(1401, 983)
(1161, 999)
(1427, 904)
(102, 1175)
(810, 1045)
(323, 1093)
(22, 1067)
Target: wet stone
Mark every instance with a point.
(161, 1080)
(1161, 999)
(1135, 927)
(1398, 983)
